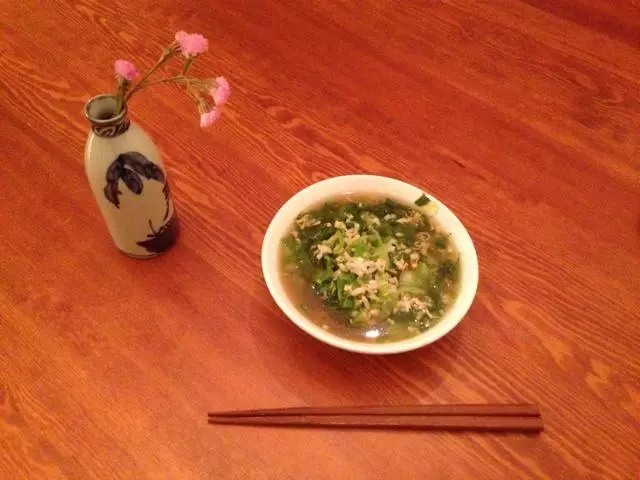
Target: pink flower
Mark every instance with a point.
(191, 43)
(207, 118)
(126, 69)
(221, 91)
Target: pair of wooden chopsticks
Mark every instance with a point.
(497, 418)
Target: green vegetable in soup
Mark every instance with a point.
(422, 201)
(441, 241)
(378, 269)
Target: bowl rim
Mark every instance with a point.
(394, 188)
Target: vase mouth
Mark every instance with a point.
(100, 109)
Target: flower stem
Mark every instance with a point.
(178, 78)
(188, 91)
(168, 53)
(187, 64)
(122, 89)
(188, 82)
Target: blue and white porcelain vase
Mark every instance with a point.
(129, 181)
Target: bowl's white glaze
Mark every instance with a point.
(387, 187)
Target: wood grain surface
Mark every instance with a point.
(523, 116)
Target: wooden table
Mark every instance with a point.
(522, 116)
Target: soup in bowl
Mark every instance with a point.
(370, 264)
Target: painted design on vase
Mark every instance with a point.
(160, 240)
(131, 167)
(111, 131)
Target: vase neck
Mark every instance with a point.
(100, 111)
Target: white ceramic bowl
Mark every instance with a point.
(394, 189)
